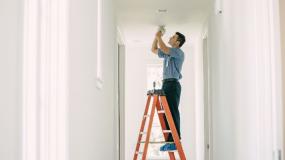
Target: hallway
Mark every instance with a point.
(75, 76)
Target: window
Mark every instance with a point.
(154, 74)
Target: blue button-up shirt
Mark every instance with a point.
(172, 63)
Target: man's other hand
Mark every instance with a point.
(158, 34)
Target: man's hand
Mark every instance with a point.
(158, 40)
(158, 34)
(161, 44)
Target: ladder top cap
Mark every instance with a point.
(156, 92)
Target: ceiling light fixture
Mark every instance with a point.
(162, 10)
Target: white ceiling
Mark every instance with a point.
(138, 19)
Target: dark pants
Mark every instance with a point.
(172, 89)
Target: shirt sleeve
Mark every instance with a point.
(161, 54)
(173, 52)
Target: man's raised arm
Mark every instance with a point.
(154, 47)
(162, 45)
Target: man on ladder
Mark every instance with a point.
(173, 58)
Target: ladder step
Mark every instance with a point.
(161, 112)
(142, 132)
(137, 152)
(146, 116)
(166, 131)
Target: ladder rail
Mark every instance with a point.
(149, 128)
(142, 126)
(173, 128)
(163, 127)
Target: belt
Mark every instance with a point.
(170, 80)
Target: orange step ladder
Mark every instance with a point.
(161, 105)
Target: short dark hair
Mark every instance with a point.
(181, 38)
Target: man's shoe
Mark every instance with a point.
(162, 148)
(168, 147)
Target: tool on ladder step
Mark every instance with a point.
(156, 142)
(159, 104)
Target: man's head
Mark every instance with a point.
(177, 40)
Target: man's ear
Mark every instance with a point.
(178, 43)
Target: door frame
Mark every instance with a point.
(208, 127)
(120, 96)
(275, 67)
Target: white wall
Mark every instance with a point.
(188, 100)
(197, 78)
(137, 58)
(91, 112)
(10, 81)
(282, 17)
(135, 95)
(242, 81)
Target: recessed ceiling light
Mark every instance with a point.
(162, 10)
